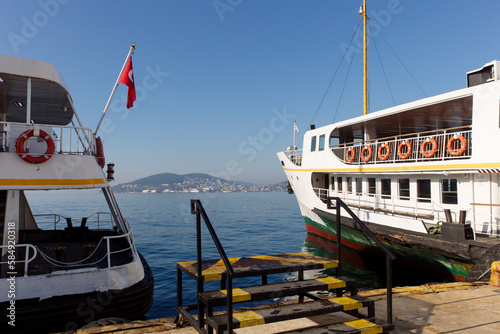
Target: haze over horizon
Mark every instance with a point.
(220, 82)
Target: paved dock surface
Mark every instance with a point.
(429, 309)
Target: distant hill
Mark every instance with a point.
(194, 182)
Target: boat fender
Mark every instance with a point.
(350, 154)
(384, 156)
(100, 152)
(406, 155)
(51, 147)
(423, 147)
(368, 156)
(458, 151)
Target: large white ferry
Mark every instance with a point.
(57, 273)
(407, 169)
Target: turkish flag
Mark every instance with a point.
(127, 78)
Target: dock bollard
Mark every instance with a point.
(495, 274)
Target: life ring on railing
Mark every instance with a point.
(406, 155)
(387, 154)
(368, 156)
(423, 147)
(459, 151)
(100, 152)
(350, 154)
(51, 147)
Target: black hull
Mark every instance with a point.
(71, 312)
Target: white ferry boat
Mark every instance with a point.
(409, 171)
(57, 273)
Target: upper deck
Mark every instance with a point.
(41, 147)
(451, 131)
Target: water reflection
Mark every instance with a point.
(369, 269)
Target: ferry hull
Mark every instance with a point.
(70, 312)
(450, 260)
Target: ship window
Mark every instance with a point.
(386, 188)
(449, 191)
(424, 191)
(321, 143)
(339, 183)
(404, 189)
(349, 185)
(359, 186)
(372, 186)
(333, 183)
(313, 144)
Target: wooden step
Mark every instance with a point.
(358, 326)
(291, 311)
(277, 290)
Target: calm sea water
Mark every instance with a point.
(247, 224)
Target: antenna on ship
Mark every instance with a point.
(362, 11)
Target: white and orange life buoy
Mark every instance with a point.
(366, 157)
(384, 156)
(463, 144)
(434, 148)
(407, 154)
(28, 157)
(100, 152)
(350, 154)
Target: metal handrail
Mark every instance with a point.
(198, 210)
(67, 139)
(26, 260)
(415, 141)
(389, 255)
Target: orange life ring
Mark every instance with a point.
(459, 151)
(100, 152)
(369, 156)
(406, 155)
(51, 147)
(387, 154)
(424, 146)
(350, 154)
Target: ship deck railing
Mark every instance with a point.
(41, 252)
(70, 140)
(97, 220)
(416, 207)
(438, 145)
(295, 156)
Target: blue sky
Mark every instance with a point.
(219, 82)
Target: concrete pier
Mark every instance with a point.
(428, 309)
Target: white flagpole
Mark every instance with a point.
(130, 53)
(294, 128)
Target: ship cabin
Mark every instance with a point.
(41, 148)
(415, 160)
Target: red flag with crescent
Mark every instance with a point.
(127, 78)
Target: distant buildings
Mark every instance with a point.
(198, 184)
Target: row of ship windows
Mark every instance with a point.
(449, 193)
(321, 146)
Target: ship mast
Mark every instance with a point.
(362, 11)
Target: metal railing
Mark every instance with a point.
(94, 219)
(295, 156)
(12, 258)
(339, 204)
(446, 144)
(410, 206)
(198, 210)
(72, 140)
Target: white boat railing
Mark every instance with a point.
(295, 156)
(412, 206)
(72, 140)
(11, 254)
(94, 220)
(446, 144)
